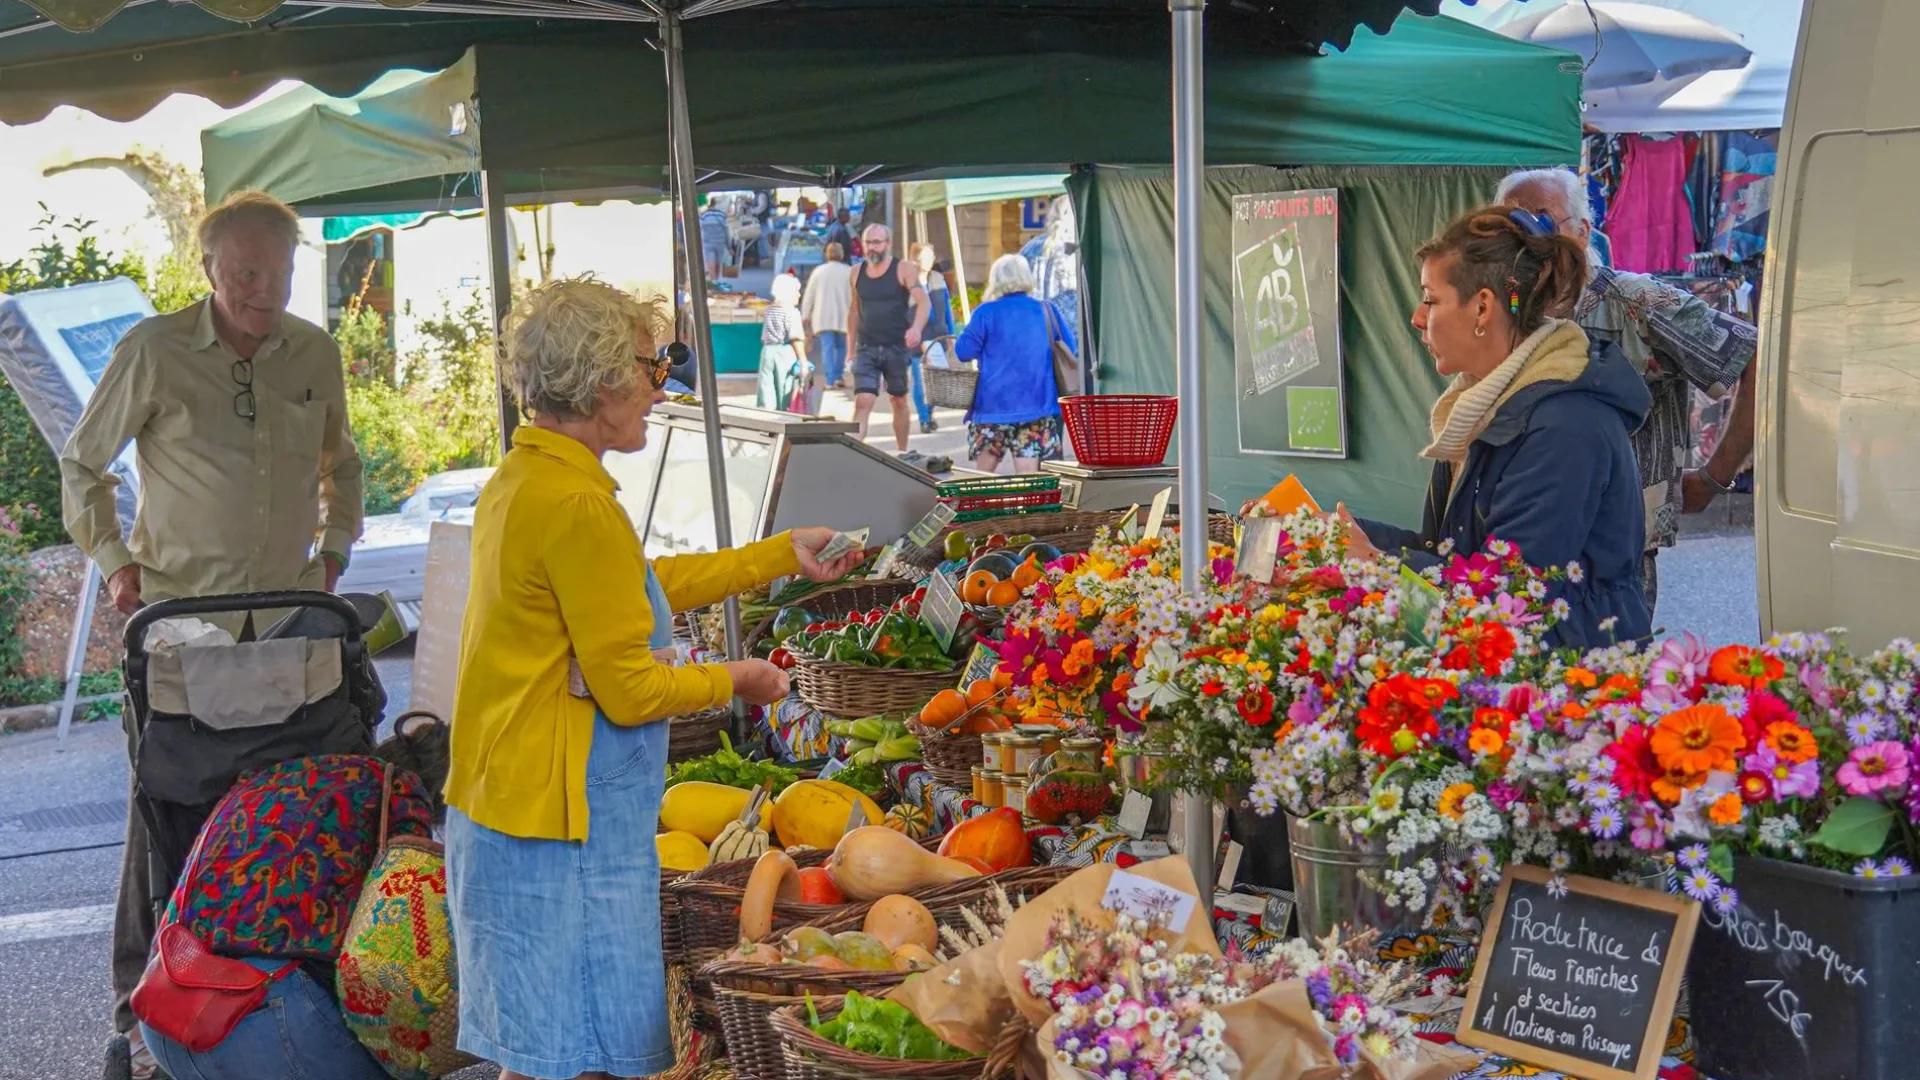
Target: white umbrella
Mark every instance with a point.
(1631, 44)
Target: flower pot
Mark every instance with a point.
(1327, 885)
(1816, 974)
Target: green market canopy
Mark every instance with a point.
(1433, 92)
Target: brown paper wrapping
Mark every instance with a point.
(1026, 936)
(1278, 1036)
(965, 1001)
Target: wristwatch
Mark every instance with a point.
(1717, 486)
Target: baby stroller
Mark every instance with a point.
(200, 716)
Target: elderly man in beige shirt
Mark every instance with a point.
(249, 479)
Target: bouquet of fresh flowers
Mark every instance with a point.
(1797, 750)
(1070, 645)
(1129, 1007)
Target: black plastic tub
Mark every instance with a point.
(1816, 976)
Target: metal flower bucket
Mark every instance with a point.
(1327, 886)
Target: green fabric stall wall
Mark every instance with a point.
(1126, 229)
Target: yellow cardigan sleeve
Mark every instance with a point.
(694, 581)
(599, 577)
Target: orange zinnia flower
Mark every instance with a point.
(1451, 799)
(1726, 810)
(1669, 786)
(1697, 739)
(1791, 742)
(1582, 678)
(1738, 665)
(1486, 741)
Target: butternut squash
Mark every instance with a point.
(872, 861)
(901, 920)
(774, 877)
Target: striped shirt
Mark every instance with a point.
(780, 325)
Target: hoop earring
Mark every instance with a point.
(1479, 331)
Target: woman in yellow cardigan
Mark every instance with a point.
(552, 879)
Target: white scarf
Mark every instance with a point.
(1467, 406)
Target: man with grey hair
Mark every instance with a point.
(249, 479)
(1675, 340)
(885, 319)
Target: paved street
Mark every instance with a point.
(61, 814)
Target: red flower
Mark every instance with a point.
(1499, 720)
(1493, 646)
(1212, 688)
(1634, 766)
(1738, 665)
(1764, 709)
(1475, 571)
(1256, 706)
(1398, 716)
(1755, 787)
(1457, 659)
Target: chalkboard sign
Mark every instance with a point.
(1579, 974)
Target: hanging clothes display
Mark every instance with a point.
(1650, 221)
(1746, 191)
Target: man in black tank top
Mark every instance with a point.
(888, 313)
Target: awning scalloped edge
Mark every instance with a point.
(84, 16)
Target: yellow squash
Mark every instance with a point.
(701, 808)
(680, 851)
(816, 813)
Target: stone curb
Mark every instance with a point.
(23, 718)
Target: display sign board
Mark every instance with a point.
(54, 346)
(1289, 390)
(1579, 974)
(924, 531)
(1157, 513)
(443, 611)
(1259, 548)
(981, 664)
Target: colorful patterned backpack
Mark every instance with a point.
(396, 979)
(278, 868)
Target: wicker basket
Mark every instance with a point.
(697, 734)
(810, 1057)
(853, 690)
(832, 602)
(748, 993)
(950, 387)
(672, 944)
(949, 755)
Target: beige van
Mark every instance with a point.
(1838, 452)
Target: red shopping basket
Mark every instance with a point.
(1120, 430)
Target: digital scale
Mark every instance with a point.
(1085, 487)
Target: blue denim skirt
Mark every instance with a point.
(558, 942)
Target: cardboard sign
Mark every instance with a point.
(443, 609)
(941, 610)
(1419, 599)
(1289, 495)
(982, 662)
(1579, 974)
(924, 531)
(1259, 549)
(1157, 513)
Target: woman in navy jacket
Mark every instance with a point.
(1530, 439)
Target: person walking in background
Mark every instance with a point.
(939, 326)
(249, 479)
(1016, 405)
(841, 231)
(823, 310)
(885, 320)
(1676, 342)
(716, 238)
(785, 373)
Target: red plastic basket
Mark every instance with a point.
(1120, 430)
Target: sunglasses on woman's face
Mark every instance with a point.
(659, 370)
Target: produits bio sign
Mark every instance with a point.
(1288, 385)
(1579, 974)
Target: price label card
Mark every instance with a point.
(1135, 806)
(1419, 600)
(1128, 526)
(884, 564)
(1157, 513)
(1144, 898)
(923, 532)
(1229, 866)
(982, 662)
(856, 818)
(941, 610)
(1259, 549)
(1148, 850)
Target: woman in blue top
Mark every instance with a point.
(1016, 408)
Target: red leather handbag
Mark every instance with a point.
(194, 997)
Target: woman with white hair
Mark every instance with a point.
(559, 755)
(1016, 406)
(784, 369)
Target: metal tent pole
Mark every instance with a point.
(1188, 169)
(493, 200)
(679, 126)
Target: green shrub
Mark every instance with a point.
(16, 585)
(437, 412)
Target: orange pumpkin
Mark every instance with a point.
(996, 838)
